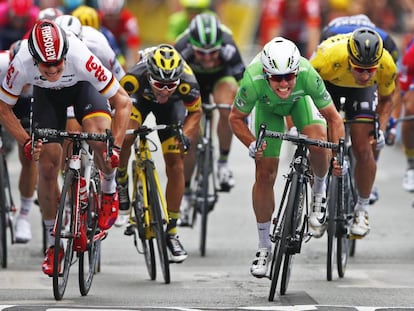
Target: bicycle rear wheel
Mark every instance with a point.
(89, 259)
(63, 237)
(157, 222)
(285, 229)
(147, 244)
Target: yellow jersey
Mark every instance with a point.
(331, 61)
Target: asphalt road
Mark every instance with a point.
(380, 276)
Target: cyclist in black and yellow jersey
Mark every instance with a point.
(163, 83)
(356, 68)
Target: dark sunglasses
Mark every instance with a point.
(161, 85)
(278, 78)
(202, 51)
(363, 69)
(53, 64)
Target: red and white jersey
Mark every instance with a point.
(4, 63)
(80, 65)
(98, 44)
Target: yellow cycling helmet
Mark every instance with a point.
(88, 16)
(365, 47)
(195, 4)
(164, 63)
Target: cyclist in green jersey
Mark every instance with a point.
(180, 20)
(277, 83)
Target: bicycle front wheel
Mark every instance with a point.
(206, 170)
(285, 232)
(89, 259)
(146, 243)
(331, 229)
(64, 233)
(157, 222)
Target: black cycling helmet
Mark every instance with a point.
(365, 47)
(205, 31)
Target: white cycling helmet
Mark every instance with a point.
(280, 56)
(110, 7)
(70, 23)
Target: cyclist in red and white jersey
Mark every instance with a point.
(64, 72)
(16, 18)
(124, 25)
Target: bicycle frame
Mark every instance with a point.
(77, 231)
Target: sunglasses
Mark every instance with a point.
(54, 64)
(279, 78)
(363, 69)
(162, 85)
(202, 51)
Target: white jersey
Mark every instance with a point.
(98, 44)
(4, 63)
(80, 65)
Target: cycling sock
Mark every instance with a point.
(224, 154)
(263, 230)
(172, 224)
(108, 182)
(122, 175)
(49, 224)
(25, 206)
(362, 204)
(319, 185)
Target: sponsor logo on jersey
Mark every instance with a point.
(11, 76)
(93, 66)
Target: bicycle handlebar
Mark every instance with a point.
(299, 139)
(44, 133)
(212, 106)
(177, 128)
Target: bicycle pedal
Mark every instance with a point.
(356, 237)
(129, 231)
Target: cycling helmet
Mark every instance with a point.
(69, 23)
(88, 16)
(14, 48)
(110, 7)
(164, 63)
(47, 42)
(20, 8)
(280, 56)
(365, 47)
(49, 13)
(70, 5)
(195, 4)
(205, 31)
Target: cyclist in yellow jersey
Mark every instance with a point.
(360, 76)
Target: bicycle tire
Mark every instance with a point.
(157, 222)
(295, 222)
(4, 223)
(345, 212)
(285, 229)
(331, 229)
(204, 199)
(89, 259)
(147, 243)
(63, 238)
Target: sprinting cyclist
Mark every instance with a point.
(64, 72)
(356, 67)
(162, 83)
(277, 83)
(347, 24)
(209, 49)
